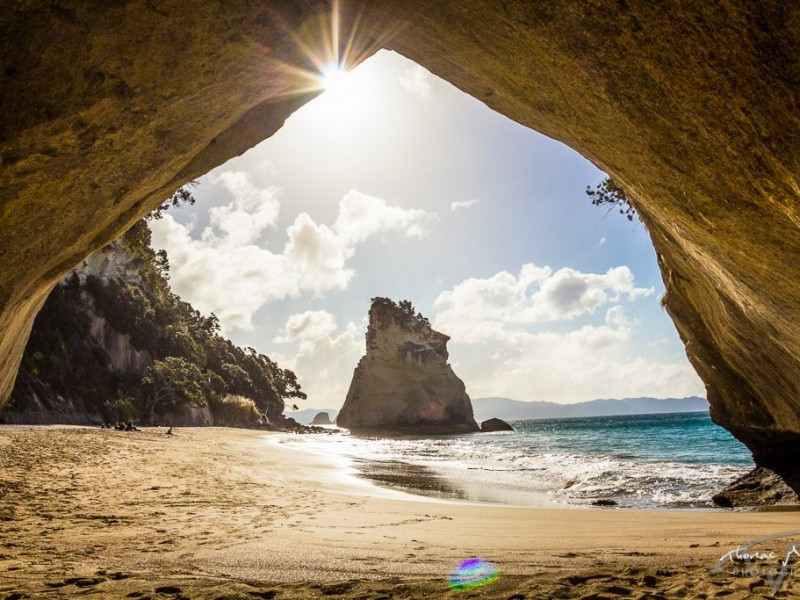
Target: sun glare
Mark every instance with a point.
(333, 49)
(347, 95)
(330, 45)
(335, 79)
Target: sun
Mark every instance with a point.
(335, 79)
(346, 96)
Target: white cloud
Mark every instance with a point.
(616, 317)
(535, 295)
(317, 256)
(244, 220)
(416, 80)
(585, 363)
(362, 216)
(490, 323)
(325, 356)
(224, 270)
(454, 206)
(310, 325)
(602, 242)
(582, 364)
(221, 277)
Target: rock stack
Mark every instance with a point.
(404, 383)
(322, 418)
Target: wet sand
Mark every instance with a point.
(407, 477)
(225, 514)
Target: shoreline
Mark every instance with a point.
(404, 480)
(396, 469)
(361, 477)
(227, 511)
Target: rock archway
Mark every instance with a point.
(107, 107)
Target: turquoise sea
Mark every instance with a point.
(674, 460)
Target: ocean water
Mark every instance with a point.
(645, 461)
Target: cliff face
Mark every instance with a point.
(114, 343)
(404, 382)
(75, 354)
(112, 263)
(693, 110)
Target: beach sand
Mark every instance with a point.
(227, 513)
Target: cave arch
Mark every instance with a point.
(107, 108)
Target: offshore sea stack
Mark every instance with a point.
(321, 418)
(495, 424)
(404, 383)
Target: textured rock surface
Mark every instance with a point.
(322, 418)
(495, 424)
(105, 108)
(113, 262)
(404, 382)
(759, 487)
(37, 397)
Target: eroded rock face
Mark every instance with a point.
(87, 344)
(759, 487)
(321, 418)
(404, 383)
(105, 108)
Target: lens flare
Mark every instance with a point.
(473, 573)
(328, 46)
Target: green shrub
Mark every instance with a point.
(236, 410)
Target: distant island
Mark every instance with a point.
(507, 409)
(322, 418)
(306, 415)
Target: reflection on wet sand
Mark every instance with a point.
(395, 474)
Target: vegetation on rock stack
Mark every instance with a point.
(405, 311)
(174, 358)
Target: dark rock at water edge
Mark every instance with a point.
(495, 424)
(604, 502)
(759, 487)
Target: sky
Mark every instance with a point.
(395, 183)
